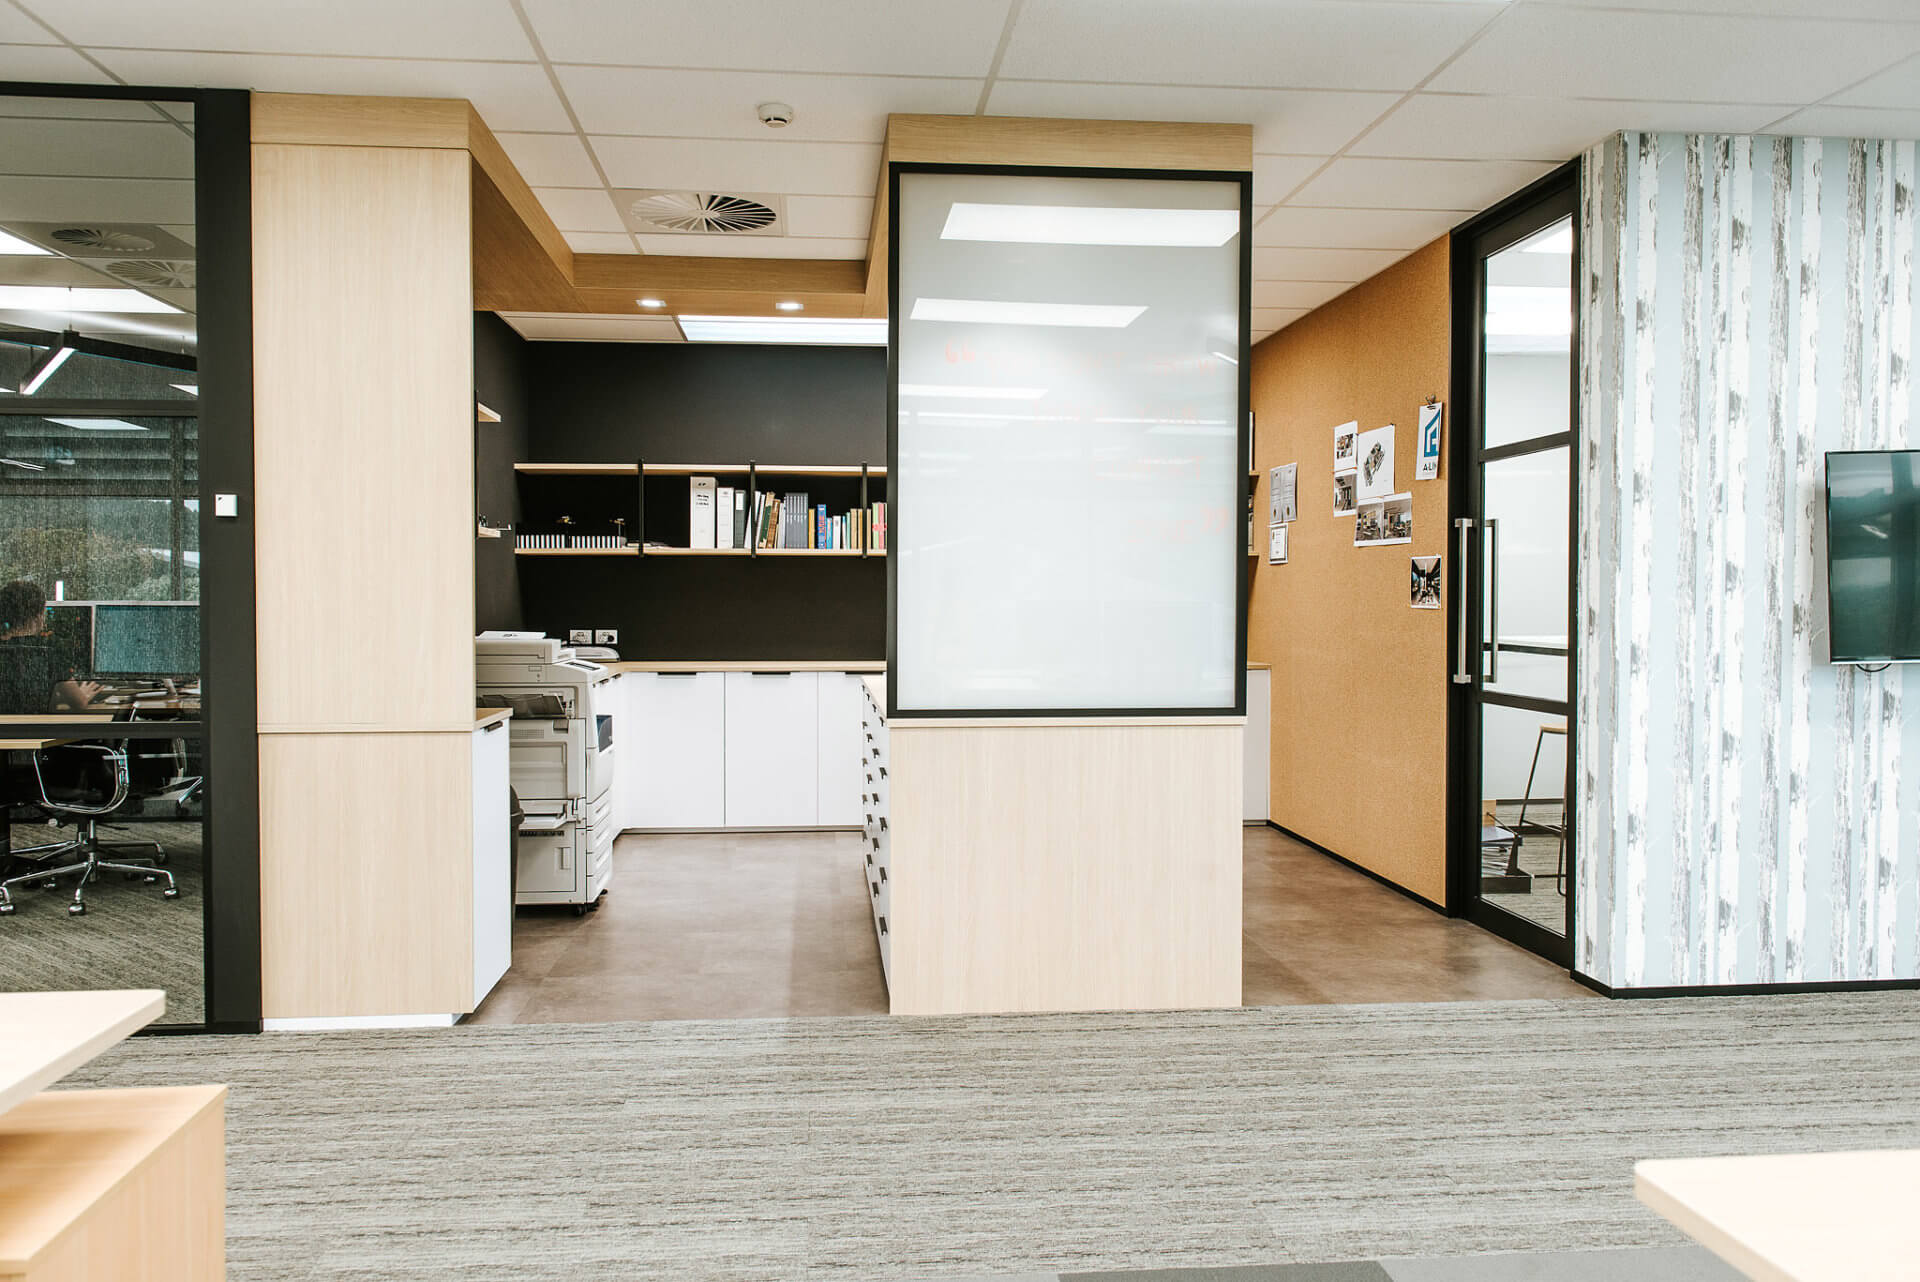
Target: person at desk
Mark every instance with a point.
(31, 681)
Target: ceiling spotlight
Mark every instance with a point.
(787, 305)
(43, 368)
(650, 302)
(775, 115)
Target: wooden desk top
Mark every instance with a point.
(29, 745)
(1801, 1217)
(45, 1036)
(484, 717)
(61, 1152)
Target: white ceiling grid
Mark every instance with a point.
(1378, 124)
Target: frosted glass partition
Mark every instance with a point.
(1066, 531)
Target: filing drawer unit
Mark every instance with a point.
(876, 869)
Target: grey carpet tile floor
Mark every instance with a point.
(129, 937)
(1646, 1264)
(875, 1148)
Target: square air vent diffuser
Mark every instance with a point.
(661, 212)
(95, 240)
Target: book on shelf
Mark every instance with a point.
(700, 511)
(723, 517)
(739, 517)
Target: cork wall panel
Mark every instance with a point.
(1359, 677)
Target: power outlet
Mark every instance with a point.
(606, 636)
(579, 636)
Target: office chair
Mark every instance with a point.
(83, 802)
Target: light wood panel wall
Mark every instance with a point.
(1065, 867)
(1359, 677)
(367, 893)
(363, 505)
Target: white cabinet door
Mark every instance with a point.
(843, 744)
(1259, 745)
(773, 750)
(492, 851)
(624, 703)
(673, 753)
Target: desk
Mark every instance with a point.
(1811, 1217)
(103, 1184)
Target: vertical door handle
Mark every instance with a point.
(1463, 543)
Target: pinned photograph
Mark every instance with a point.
(1345, 498)
(1345, 439)
(1384, 521)
(1425, 591)
(1375, 449)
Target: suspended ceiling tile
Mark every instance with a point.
(508, 96)
(1501, 128)
(408, 29)
(1850, 122)
(574, 209)
(1895, 87)
(602, 329)
(49, 63)
(599, 242)
(1285, 121)
(754, 246)
(670, 103)
(1881, 9)
(1276, 177)
(111, 200)
(1345, 266)
(1469, 185)
(880, 37)
(22, 269)
(787, 168)
(847, 217)
(1282, 44)
(150, 148)
(1294, 293)
(1353, 228)
(1564, 52)
(551, 160)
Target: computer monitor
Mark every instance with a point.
(146, 640)
(70, 629)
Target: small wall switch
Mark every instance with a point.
(606, 636)
(579, 636)
(226, 505)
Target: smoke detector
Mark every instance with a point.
(153, 273)
(655, 212)
(775, 115)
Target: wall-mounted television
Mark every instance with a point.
(1873, 556)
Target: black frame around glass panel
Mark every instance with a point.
(1243, 451)
(228, 728)
(1531, 210)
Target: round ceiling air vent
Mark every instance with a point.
(99, 238)
(703, 212)
(154, 274)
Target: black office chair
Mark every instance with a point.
(89, 782)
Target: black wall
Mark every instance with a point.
(500, 383)
(719, 404)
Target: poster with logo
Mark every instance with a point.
(1428, 465)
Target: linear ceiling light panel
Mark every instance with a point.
(59, 298)
(43, 369)
(1091, 225)
(980, 311)
(784, 329)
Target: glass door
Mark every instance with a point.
(1513, 546)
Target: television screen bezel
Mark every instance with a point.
(1826, 504)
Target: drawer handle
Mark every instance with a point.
(876, 890)
(883, 872)
(883, 772)
(677, 675)
(883, 925)
(883, 823)
(875, 841)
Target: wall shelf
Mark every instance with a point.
(576, 552)
(484, 414)
(693, 469)
(840, 552)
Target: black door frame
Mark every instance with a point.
(1528, 211)
(228, 728)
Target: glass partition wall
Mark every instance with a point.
(1068, 442)
(109, 790)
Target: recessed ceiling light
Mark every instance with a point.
(650, 302)
(59, 298)
(98, 424)
(980, 311)
(1091, 225)
(784, 329)
(11, 244)
(191, 389)
(787, 305)
(973, 393)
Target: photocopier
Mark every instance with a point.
(561, 743)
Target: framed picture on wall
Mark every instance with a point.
(1277, 545)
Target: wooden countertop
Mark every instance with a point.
(877, 686)
(62, 1152)
(1802, 1217)
(484, 717)
(45, 1036)
(747, 665)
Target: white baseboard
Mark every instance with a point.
(341, 1022)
